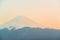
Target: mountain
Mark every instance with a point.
(28, 33)
(20, 22)
(23, 28)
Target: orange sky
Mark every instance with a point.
(44, 12)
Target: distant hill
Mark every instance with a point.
(28, 33)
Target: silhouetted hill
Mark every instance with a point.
(28, 33)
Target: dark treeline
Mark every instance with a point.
(28, 33)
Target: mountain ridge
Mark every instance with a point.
(28, 33)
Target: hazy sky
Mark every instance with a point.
(45, 12)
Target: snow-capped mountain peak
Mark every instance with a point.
(20, 22)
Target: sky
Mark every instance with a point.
(44, 12)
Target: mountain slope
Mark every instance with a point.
(19, 22)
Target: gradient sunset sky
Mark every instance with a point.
(44, 12)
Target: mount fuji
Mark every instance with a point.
(25, 31)
(20, 22)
